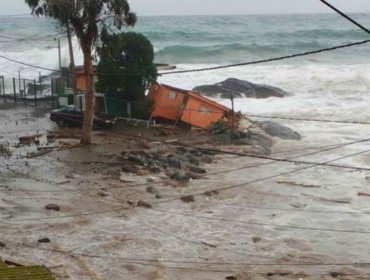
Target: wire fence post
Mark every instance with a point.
(14, 90)
(232, 117)
(35, 91)
(3, 87)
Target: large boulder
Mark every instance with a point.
(278, 130)
(240, 88)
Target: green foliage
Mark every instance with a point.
(126, 66)
(85, 16)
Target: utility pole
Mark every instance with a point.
(72, 59)
(59, 55)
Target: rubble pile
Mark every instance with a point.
(181, 165)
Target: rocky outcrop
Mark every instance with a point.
(240, 88)
(277, 130)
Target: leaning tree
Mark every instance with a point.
(86, 17)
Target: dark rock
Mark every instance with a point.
(256, 239)
(206, 159)
(197, 170)
(277, 130)
(174, 163)
(154, 169)
(52, 206)
(2, 245)
(195, 176)
(240, 88)
(221, 139)
(151, 190)
(181, 150)
(188, 198)
(150, 180)
(102, 194)
(193, 160)
(136, 160)
(44, 240)
(158, 196)
(129, 168)
(143, 204)
(180, 176)
(211, 193)
(196, 152)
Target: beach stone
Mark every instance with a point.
(143, 204)
(188, 198)
(240, 88)
(278, 130)
(193, 160)
(180, 176)
(174, 163)
(206, 159)
(2, 244)
(129, 168)
(102, 194)
(151, 190)
(44, 240)
(52, 206)
(197, 170)
(136, 160)
(256, 239)
(158, 196)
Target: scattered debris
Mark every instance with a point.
(30, 139)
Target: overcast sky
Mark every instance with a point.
(196, 7)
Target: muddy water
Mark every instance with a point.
(302, 217)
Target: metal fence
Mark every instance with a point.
(27, 91)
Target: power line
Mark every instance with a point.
(346, 16)
(269, 59)
(194, 194)
(216, 67)
(260, 224)
(273, 160)
(159, 262)
(264, 178)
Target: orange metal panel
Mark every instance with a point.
(202, 112)
(167, 102)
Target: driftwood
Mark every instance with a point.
(291, 183)
(39, 154)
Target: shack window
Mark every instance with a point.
(205, 110)
(173, 95)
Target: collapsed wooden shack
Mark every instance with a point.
(178, 105)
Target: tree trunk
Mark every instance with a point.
(86, 132)
(72, 59)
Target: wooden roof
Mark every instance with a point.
(24, 273)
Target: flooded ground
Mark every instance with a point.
(247, 218)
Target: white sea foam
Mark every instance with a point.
(329, 91)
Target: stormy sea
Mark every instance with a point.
(334, 85)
